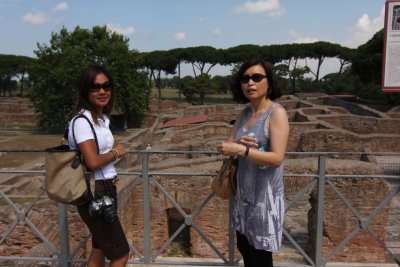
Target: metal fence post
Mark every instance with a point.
(320, 210)
(64, 256)
(231, 234)
(146, 207)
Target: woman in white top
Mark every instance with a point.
(96, 98)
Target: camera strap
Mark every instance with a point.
(105, 184)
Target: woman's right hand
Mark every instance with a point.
(237, 147)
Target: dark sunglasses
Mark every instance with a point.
(256, 77)
(95, 87)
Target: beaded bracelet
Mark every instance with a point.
(115, 153)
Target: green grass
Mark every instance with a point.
(173, 94)
(18, 127)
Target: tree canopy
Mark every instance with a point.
(58, 66)
(367, 60)
(10, 66)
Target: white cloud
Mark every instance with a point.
(127, 31)
(272, 7)
(60, 7)
(216, 31)
(36, 18)
(298, 38)
(365, 28)
(180, 36)
(363, 23)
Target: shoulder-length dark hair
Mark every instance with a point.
(273, 91)
(88, 77)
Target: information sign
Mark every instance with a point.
(391, 49)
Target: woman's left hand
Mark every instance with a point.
(121, 150)
(249, 141)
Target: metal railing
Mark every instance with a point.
(318, 181)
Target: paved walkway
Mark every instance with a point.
(214, 262)
(280, 265)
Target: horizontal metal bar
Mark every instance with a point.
(139, 176)
(21, 171)
(155, 151)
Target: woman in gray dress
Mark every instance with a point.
(258, 138)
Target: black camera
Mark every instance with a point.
(103, 207)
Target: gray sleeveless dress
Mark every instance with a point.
(259, 208)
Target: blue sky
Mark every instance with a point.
(166, 24)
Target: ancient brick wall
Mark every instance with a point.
(341, 141)
(363, 125)
(23, 240)
(17, 111)
(295, 132)
(364, 195)
(313, 127)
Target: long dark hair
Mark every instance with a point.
(88, 77)
(273, 91)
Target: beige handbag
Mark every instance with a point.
(224, 184)
(67, 179)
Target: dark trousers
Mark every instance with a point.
(253, 257)
(107, 236)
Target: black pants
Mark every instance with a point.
(253, 257)
(109, 237)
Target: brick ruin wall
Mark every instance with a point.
(16, 111)
(364, 195)
(314, 126)
(188, 192)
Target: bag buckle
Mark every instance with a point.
(115, 181)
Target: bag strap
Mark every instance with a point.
(87, 173)
(91, 127)
(94, 133)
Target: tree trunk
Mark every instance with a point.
(320, 61)
(151, 75)
(194, 71)
(293, 82)
(22, 84)
(292, 77)
(179, 81)
(159, 84)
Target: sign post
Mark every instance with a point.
(391, 49)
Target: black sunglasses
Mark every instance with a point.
(256, 77)
(95, 87)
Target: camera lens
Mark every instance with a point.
(109, 211)
(109, 214)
